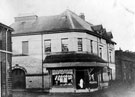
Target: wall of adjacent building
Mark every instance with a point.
(125, 66)
(5, 61)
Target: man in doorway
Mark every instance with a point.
(81, 83)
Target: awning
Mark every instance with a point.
(73, 60)
(73, 57)
(74, 64)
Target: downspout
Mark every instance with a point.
(42, 61)
(97, 47)
(6, 66)
(108, 59)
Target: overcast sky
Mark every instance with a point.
(117, 16)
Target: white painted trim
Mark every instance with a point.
(3, 51)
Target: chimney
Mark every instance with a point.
(26, 17)
(82, 16)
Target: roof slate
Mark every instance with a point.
(46, 23)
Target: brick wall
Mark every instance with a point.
(125, 66)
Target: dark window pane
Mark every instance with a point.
(64, 43)
(47, 44)
(79, 44)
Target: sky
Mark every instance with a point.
(117, 16)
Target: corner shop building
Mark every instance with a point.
(66, 71)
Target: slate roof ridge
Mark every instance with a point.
(83, 22)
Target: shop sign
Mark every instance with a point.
(62, 71)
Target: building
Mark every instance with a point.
(125, 66)
(44, 47)
(5, 61)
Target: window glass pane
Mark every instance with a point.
(91, 46)
(25, 47)
(64, 44)
(100, 52)
(47, 45)
(62, 77)
(110, 56)
(79, 44)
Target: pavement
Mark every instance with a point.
(115, 90)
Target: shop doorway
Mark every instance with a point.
(87, 78)
(81, 79)
(18, 79)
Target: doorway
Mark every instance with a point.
(81, 79)
(18, 79)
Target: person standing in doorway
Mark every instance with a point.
(81, 83)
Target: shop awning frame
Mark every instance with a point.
(74, 64)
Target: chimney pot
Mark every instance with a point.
(82, 16)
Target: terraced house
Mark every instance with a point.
(62, 52)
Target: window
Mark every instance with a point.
(80, 44)
(100, 40)
(47, 44)
(64, 44)
(100, 52)
(25, 48)
(91, 46)
(62, 77)
(110, 56)
(0, 39)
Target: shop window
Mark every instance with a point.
(47, 44)
(62, 77)
(80, 44)
(25, 48)
(64, 44)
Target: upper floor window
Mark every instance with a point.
(80, 44)
(100, 52)
(25, 48)
(64, 44)
(110, 56)
(91, 46)
(47, 45)
(0, 44)
(100, 40)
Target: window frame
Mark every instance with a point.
(80, 43)
(47, 46)
(64, 47)
(25, 48)
(91, 46)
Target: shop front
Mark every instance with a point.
(74, 76)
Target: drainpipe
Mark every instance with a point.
(42, 61)
(6, 65)
(97, 47)
(108, 59)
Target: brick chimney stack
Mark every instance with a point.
(82, 16)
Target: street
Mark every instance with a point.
(116, 90)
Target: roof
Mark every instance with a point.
(72, 57)
(66, 20)
(5, 26)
